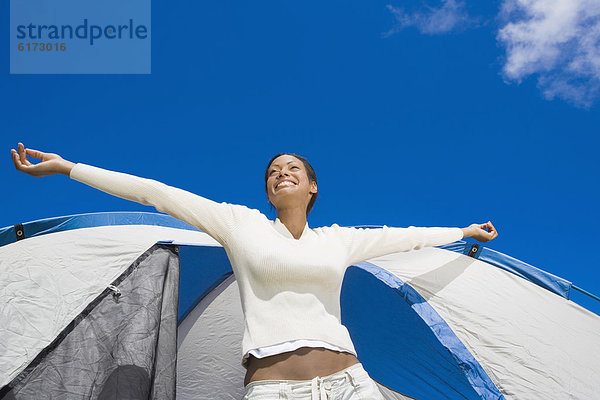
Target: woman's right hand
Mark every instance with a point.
(51, 163)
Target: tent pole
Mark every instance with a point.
(585, 292)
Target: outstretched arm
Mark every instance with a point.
(216, 219)
(366, 243)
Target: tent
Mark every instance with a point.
(140, 305)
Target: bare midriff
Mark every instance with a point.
(301, 364)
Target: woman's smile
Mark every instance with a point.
(285, 182)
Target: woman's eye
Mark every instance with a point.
(295, 166)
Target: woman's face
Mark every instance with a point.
(287, 183)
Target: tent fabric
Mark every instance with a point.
(59, 224)
(210, 347)
(432, 323)
(194, 286)
(532, 343)
(541, 278)
(421, 330)
(390, 394)
(123, 345)
(47, 280)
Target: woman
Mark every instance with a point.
(289, 275)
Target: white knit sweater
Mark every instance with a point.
(289, 288)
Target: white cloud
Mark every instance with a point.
(449, 16)
(556, 40)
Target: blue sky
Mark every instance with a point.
(437, 113)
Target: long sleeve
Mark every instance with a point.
(365, 243)
(216, 219)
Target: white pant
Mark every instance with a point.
(352, 383)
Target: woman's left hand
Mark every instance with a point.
(481, 232)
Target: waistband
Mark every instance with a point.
(353, 370)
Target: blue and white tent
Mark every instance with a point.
(141, 305)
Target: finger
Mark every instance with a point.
(15, 157)
(16, 160)
(27, 162)
(488, 227)
(23, 155)
(493, 232)
(35, 153)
